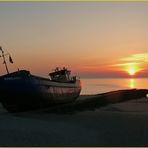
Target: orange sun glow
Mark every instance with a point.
(132, 69)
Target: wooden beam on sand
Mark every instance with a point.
(92, 102)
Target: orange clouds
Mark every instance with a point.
(133, 63)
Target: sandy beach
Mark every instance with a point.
(119, 124)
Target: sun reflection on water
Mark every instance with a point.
(132, 83)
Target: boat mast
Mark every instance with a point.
(4, 60)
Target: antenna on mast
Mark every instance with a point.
(3, 55)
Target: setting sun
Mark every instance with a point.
(131, 71)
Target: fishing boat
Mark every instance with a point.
(21, 91)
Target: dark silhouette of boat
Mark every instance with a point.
(20, 90)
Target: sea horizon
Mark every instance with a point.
(128, 77)
(102, 85)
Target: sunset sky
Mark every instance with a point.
(93, 39)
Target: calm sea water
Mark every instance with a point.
(101, 85)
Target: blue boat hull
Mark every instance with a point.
(20, 91)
